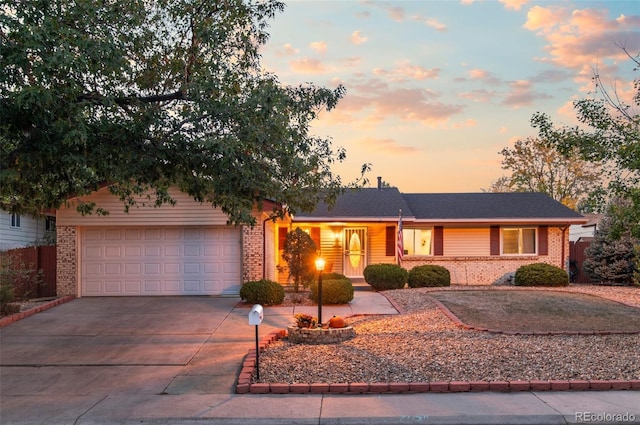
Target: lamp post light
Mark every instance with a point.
(320, 268)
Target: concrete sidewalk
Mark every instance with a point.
(174, 360)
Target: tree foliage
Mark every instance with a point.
(536, 167)
(300, 253)
(609, 134)
(612, 256)
(141, 96)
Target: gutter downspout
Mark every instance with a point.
(264, 248)
(563, 262)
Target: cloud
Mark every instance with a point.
(484, 76)
(287, 50)
(389, 146)
(583, 36)
(405, 70)
(358, 38)
(372, 101)
(436, 25)
(319, 46)
(470, 122)
(514, 4)
(522, 94)
(307, 66)
(478, 96)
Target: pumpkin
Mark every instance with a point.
(337, 322)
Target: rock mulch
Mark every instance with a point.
(423, 350)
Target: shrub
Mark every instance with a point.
(6, 296)
(262, 291)
(428, 276)
(334, 291)
(385, 276)
(541, 274)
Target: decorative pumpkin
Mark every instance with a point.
(337, 322)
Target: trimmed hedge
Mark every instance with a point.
(540, 274)
(428, 276)
(263, 291)
(385, 276)
(334, 291)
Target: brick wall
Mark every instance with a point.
(67, 266)
(252, 251)
(494, 270)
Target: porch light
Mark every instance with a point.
(320, 268)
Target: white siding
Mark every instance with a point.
(466, 242)
(30, 230)
(186, 212)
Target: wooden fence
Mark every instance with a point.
(576, 258)
(27, 262)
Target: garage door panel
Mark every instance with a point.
(169, 261)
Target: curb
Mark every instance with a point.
(245, 386)
(45, 306)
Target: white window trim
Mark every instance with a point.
(15, 221)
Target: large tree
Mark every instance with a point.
(140, 96)
(609, 133)
(536, 167)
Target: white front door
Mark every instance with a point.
(354, 251)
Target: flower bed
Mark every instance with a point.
(299, 335)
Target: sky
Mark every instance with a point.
(436, 89)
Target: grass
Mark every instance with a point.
(539, 311)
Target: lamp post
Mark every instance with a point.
(320, 268)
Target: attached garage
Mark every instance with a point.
(181, 249)
(160, 261)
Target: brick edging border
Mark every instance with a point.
(5, 321)
(244, 385)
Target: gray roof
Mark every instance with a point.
(380, 204)
(361, 203)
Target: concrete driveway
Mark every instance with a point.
(141, 345)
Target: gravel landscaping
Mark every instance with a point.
(423, 345)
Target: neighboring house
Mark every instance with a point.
(586, 231)
(19, 231)
(481, 238)
(186, 249)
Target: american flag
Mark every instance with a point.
(400, 240)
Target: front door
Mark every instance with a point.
(354, 251)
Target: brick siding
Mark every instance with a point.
(67, 264)
(494, 270)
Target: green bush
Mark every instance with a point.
(428, 276)
(6, 296)
(541, 274)
(334, 291)
(385, 276)
(263, 291)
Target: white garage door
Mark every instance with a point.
(160, 261)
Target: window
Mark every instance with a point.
(417, 241)
(519, 241)
(50, 224)
(15, 220)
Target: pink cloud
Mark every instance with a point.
(522, 94)
(319, 46)
(287, 50)
(514, 4)
(583, 36)
(390, 146)
(358, 38)
(405, 70)
(307, 66)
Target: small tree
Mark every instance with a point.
(300, 253)
(611, 257)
